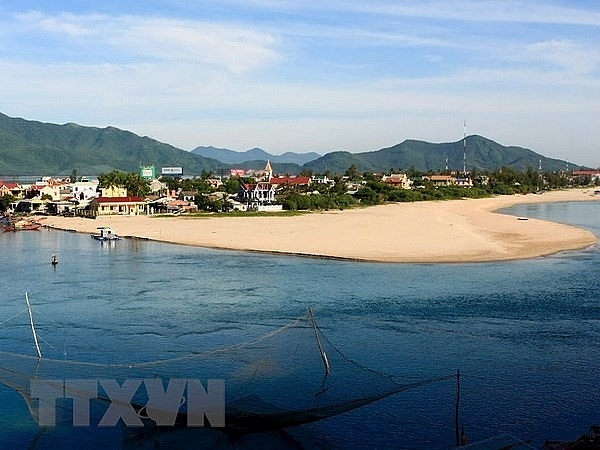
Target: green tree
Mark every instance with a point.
(173, 183)
(339, 186)
(230, 185)
(367, 196)
(135, 185)
(5, 202)
(116, 178)
(352, 173)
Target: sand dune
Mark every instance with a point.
(437, 231)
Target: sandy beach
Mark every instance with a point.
(424, 232)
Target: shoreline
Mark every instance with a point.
(449, 231)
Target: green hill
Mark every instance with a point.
(34, 148)
(481, 153)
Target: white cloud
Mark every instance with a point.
(128, 38)
(468, 10)
(566, 54)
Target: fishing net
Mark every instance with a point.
(290, 376)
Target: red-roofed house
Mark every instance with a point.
(281, 181)
(10, 189)
(594, 174)
(399, 180)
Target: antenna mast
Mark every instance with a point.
(465, 147)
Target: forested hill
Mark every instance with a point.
(34, 148)
(481, 154)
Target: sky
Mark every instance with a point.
(311, 76)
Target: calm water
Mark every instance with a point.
(524, 334)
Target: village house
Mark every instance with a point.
(256, 193)
(464, 182)
(84, 190)
(103, 206)
(237, 172)
(322, 179)
(187, 196)
(399, 180)
(449, 180)
(178, 206)
(8, 188)
(440, 180)
(53, 191)
(594, 174)
(49, 187)
(157, 186)
(284, 181)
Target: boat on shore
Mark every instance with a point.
(22, 225)
(106, 234)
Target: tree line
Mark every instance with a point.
(372, 191)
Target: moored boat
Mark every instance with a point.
(105, 234)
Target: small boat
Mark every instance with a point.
(522, 218)
(105, 234)
(22, 225)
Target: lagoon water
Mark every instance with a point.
(524, 334)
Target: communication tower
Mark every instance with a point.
(465, 147)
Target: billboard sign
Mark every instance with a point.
(172, 171)
(147, 172)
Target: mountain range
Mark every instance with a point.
(254, 154)
(34, 148)
(475, 152)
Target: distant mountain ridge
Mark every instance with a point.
(481, 154)
(36, 148)
(254, 154)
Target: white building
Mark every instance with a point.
(84, 190)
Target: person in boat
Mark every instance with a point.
(54, 260)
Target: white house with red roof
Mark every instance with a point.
(399, 180)
(9, 188)
(258, 193)
(594, 174)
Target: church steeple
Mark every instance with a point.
(268, 171)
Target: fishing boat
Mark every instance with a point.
(22, 225)
(105, 234)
